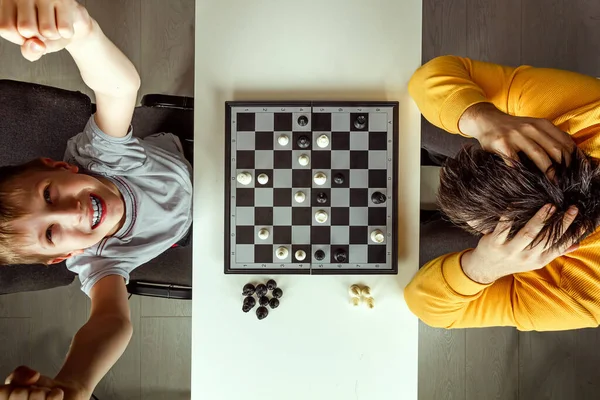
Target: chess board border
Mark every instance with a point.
(229, 106)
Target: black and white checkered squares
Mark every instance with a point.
(357, 158)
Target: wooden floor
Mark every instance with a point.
(36, 328)
(501, 363)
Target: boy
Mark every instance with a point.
(532, 269)
(114, 203)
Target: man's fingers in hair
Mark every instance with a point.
(504, 149)
(564, 249)
(533, 227)
(564, 140)
(501, 231)
(538, 155)
(552, 140)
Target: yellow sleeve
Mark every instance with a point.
(441, 295)
(446, 86)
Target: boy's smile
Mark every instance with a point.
(68, 211)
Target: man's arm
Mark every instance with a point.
(445, 87)
(503, 282)
(101, 341)
(443, 296)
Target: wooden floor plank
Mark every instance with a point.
(56, 315)
(492, 360)
(494, 31)
(159, 307)
(168, 47)
(166, 358)
(441, 363)
(547, 365)
(15, 334)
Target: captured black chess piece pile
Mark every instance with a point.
(261, 291)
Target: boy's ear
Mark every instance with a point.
(65, 257)
(60, 164)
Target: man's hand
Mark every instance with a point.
(507, 135)
(43, 26)
(26, 384)
(495, 256)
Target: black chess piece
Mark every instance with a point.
(249, 303)
(360, 122)
(338, 179)
(261, 290)
(378, 198)
(274, 303)
(271, 284)
(277, 293)
(262, 312)
(340, 255)
(303, 142)
(321, 198)
(248, 289)
(319, 255)
(263, 301)
(303, 120)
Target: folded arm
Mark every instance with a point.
(445, 87)
(443, 296)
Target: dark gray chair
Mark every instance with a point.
(37, 120)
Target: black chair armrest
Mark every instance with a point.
(160, 290)
(168, 101)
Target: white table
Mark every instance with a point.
(315, 345)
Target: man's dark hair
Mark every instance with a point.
(479, 187)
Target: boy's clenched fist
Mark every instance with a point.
(43, 26)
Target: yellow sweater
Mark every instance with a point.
(566, 293)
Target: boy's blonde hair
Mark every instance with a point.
(13, 206)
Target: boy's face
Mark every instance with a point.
(68, 211)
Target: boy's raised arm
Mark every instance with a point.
(46, 26)
(112, 77)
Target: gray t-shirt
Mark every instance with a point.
(155, 180)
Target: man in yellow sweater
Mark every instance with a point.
(541, 272)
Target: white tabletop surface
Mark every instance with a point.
(315, 345)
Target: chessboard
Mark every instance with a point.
(311, 187)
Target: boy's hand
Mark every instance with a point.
(43, 26)
(495, 256)
(26, 384)
(507, 135)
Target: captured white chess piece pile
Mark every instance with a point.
(361, 294)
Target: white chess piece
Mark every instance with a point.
(244, 178)
(282, 253)
(377, 236)
(323, 141)
(321, 216)
(303, 160)
(283, 140)
(366, 294)
(320, 178)
(263, 234)
(299, 197)
(263, 179)
(300, 255)
(355, 296)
